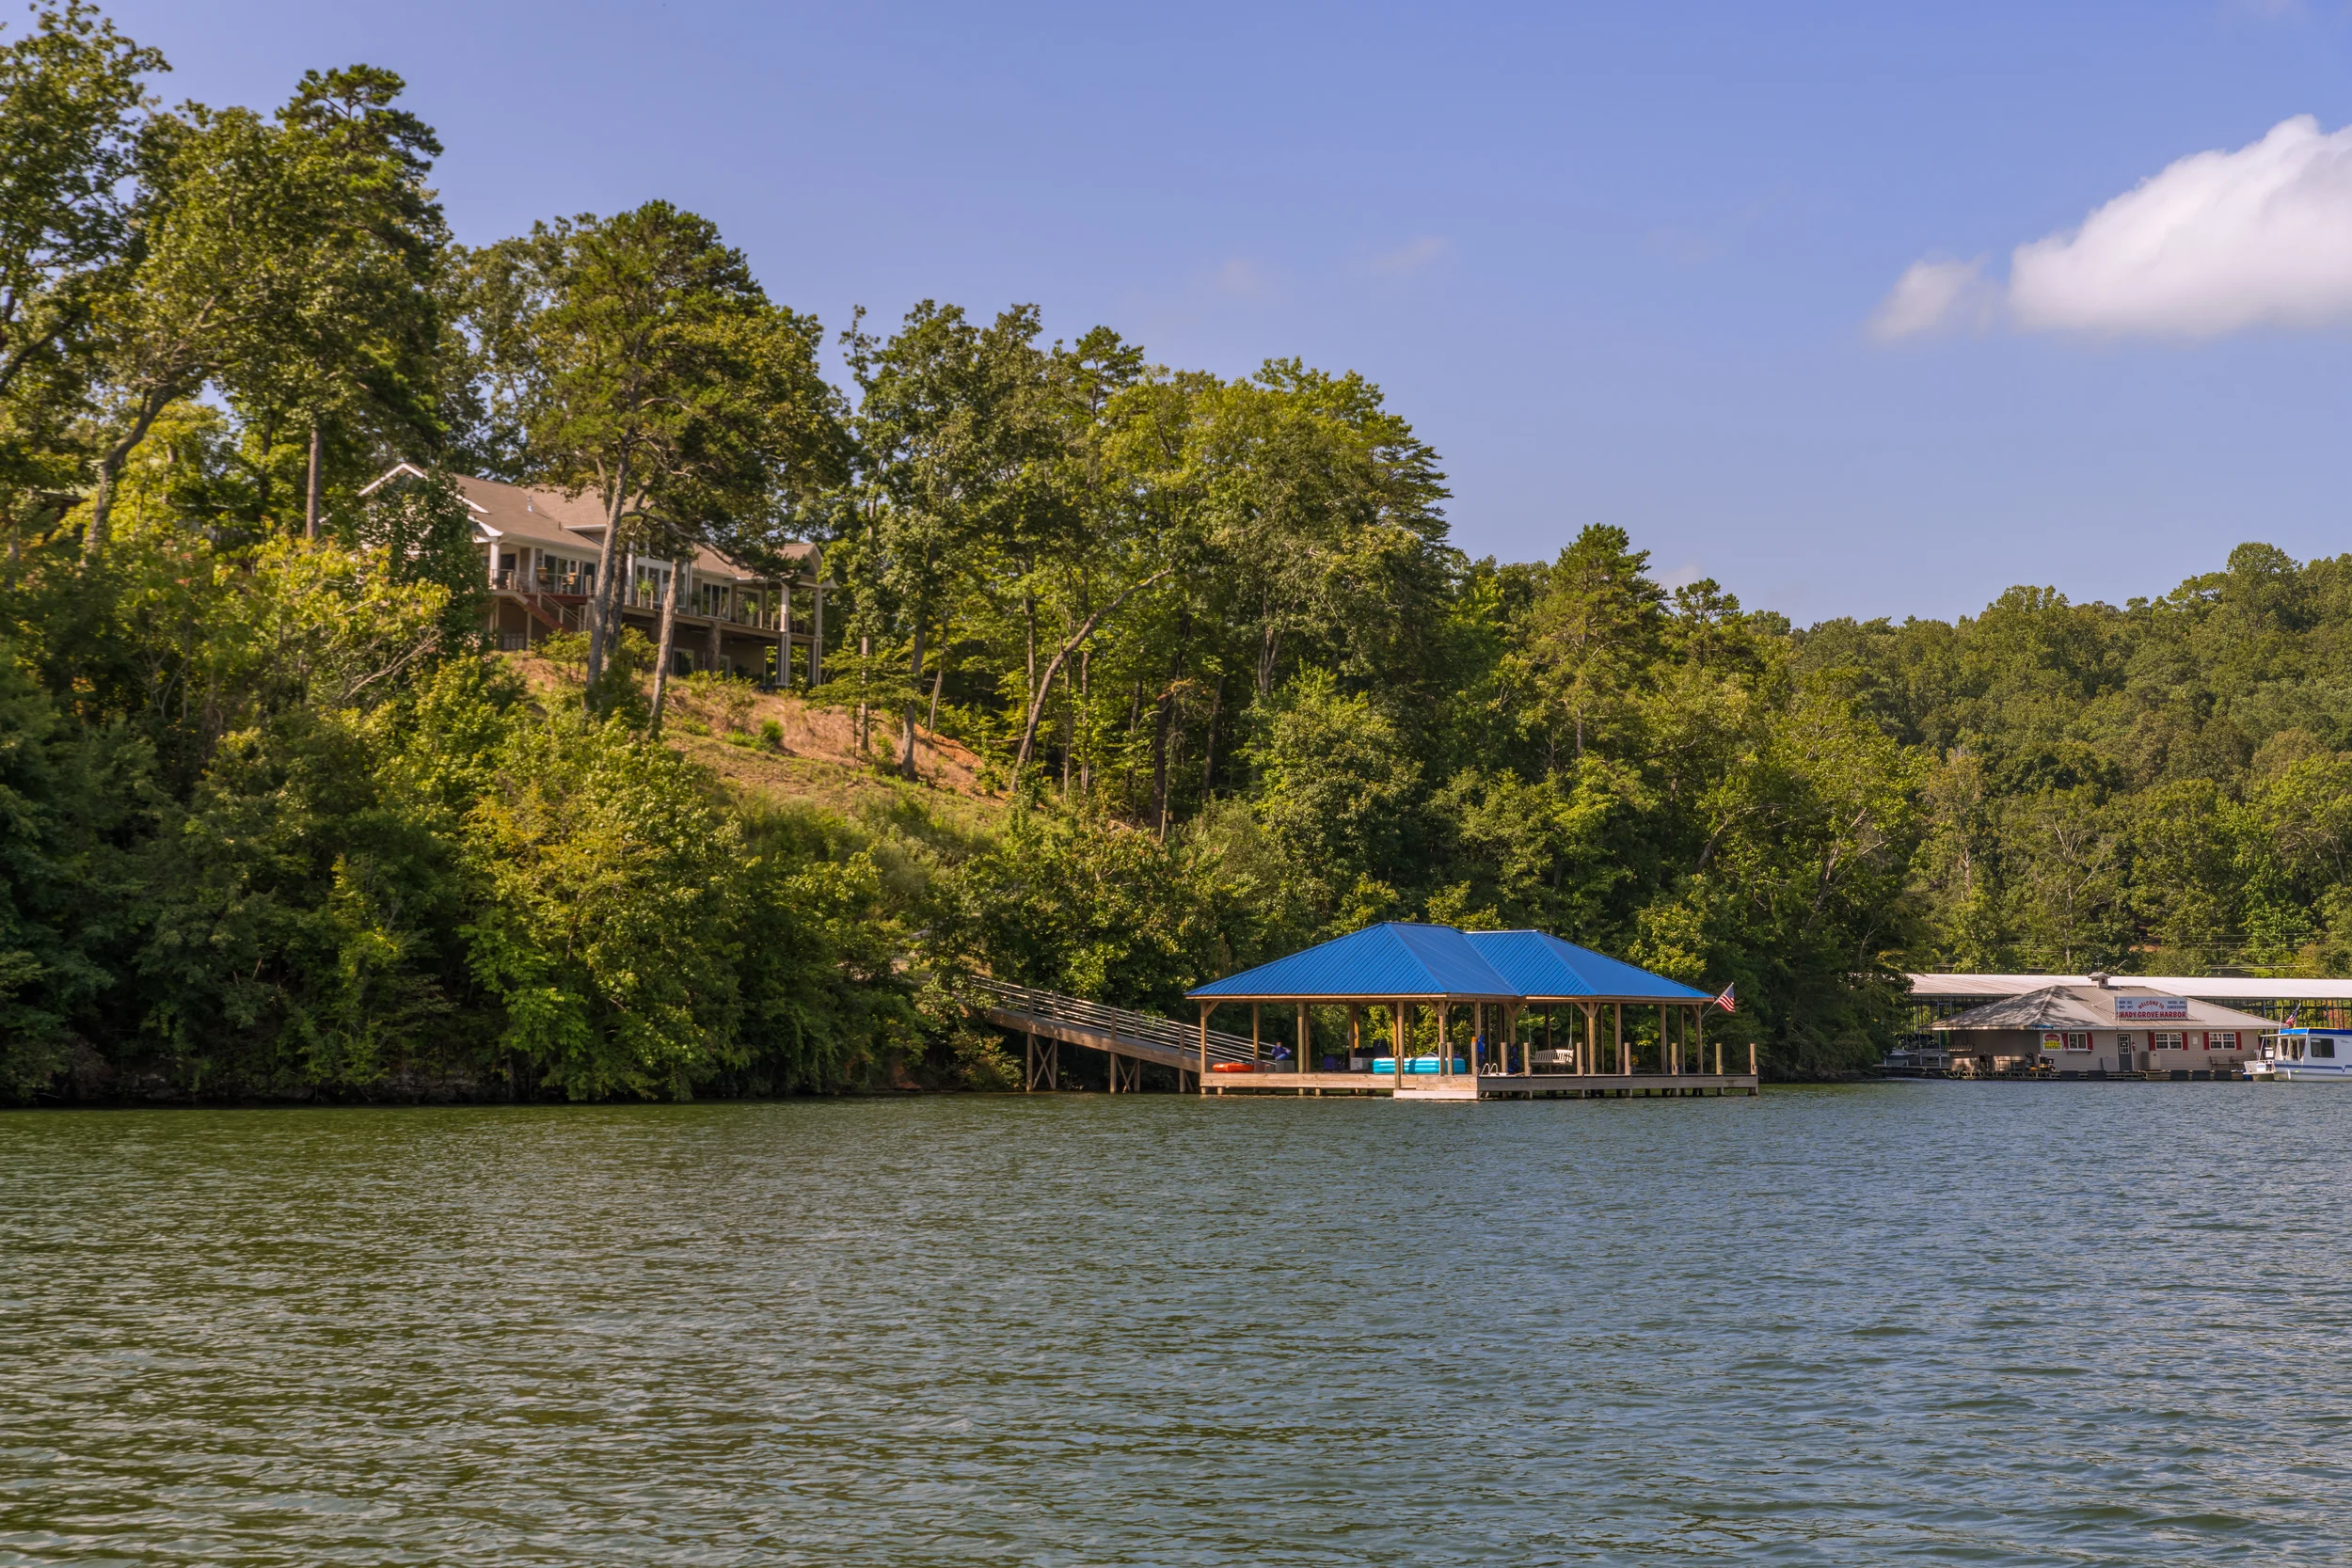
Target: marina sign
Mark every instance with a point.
(2151, 1007)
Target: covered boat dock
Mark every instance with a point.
(1464, 1015)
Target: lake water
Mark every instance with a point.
(1983, 1323)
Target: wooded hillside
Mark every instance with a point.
(1138, 675)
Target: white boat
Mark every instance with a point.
(2305, 1056)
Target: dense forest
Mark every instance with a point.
(279, 823)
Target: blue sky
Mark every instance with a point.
(1619, 263)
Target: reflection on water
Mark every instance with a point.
(1999, 1324)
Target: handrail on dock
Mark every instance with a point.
(1120, 1023)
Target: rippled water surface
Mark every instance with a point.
(1999, 1323)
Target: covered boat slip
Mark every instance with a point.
(1472, 1014)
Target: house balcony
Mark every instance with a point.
(577, 588)
(565, 584)
(647, 598)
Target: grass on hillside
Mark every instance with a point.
(817, 762)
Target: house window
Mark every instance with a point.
(2164, 1040)
(2225, 1040)
(2078, 1042)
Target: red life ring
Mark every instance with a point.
(1232, 1066)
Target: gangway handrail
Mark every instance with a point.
(1149, 1028)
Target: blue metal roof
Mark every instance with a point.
(1390, 960)
(1539, 964)
(1397, 959)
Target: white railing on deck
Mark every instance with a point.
(648, 595)
(519, 581)
(640, 596)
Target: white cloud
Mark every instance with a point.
(1931, 297)
(2216, 242)
(1406, 260)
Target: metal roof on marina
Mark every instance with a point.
(2230, 988)
(1539, 964)
(1400, 959)
(2092, 1006)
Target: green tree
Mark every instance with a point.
(353, 329)
(284, 262)
(1594, 632)
(1336, 787)
(651, 321)
(610, 929)
(70, 98)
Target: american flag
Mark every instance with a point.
(1725, 1003)
(2292, 1013)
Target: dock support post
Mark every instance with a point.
(1028, 1077)
(1303, 1043)
(1625, 1063)
(1203, 1079)
(1254, 1011)
(1396, 1045)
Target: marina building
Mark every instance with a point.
(2100, 1028)
(1939, 1000)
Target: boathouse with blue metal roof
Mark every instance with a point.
(1467, 995)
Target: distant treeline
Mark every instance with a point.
(279, 824)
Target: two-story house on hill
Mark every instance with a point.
(540, 551)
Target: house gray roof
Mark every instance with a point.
(2092, 1006)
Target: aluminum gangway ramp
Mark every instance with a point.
(1129, 1038)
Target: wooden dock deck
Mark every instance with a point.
(1485, 1085)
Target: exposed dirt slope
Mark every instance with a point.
(818, 763)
